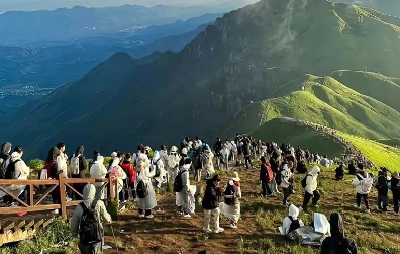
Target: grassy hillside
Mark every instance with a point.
(381, 155)
(329, 102)
(280, 132)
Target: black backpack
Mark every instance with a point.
(10, 171)
(3, 168)
(90, 229)
(278, 177)
(141, 189)
(229, 195)
(295, 224)
(304, 181)
(158, 170)
(178, 184)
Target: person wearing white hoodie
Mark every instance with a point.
(311, 188)
(99, 171)
(287, 181)
(158, 162)
(292, 222)
(21, 172)
(147, 203)
(173, 164)
(120, 175)
(182, 197)
(363, 183)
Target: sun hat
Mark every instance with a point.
(174, 149)
(396, 175)
(235, 176)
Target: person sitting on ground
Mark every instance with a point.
(91, 240)
(339, 172)
(292, 222)
(337, 242)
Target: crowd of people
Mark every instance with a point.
(138, 175)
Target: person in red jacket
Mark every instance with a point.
(266, 177)
(129, 170)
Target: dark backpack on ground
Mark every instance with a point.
(295, 225)
(90, 230)
(10, 171)
(229, 195)
(178, 183)
(158, 170)
(141, 189)
(304, 181)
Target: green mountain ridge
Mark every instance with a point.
(234, 68)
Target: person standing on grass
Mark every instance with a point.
(287, 182)
(311, 184)
(363, 183)
(144, 179)
(275, 164)
(246, 152)
(211, 205)
(395, 187)
(383, 190)
(266, 177)
(337, 242)
(86, 223)
(182, 197)
(232, 195)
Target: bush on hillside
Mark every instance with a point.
(36, 164)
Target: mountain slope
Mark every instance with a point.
(200, 90)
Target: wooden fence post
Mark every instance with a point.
(63, 196)
(110, 182)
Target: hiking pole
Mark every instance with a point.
(115, 239)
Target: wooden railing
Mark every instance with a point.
(64, 183)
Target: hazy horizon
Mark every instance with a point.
(32, 5)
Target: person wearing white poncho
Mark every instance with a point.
(231, 207)
(99, 171)
(182, 197)
(147, 203)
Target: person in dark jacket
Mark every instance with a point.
(4, 161)
(264, 178)
(83, 168)
(211, 205)
(96, 153)
(352, 169)
(339, 172)
(337, 242)
(382, 186)
(395, 187)
(246, 153)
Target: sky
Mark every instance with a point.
(30, 5)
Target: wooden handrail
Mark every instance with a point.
(62, 182)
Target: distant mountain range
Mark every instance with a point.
(26, 73)
(81, 22)
(249, 67)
